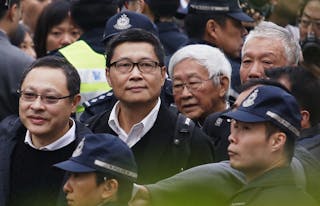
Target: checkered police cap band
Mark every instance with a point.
(115, 169)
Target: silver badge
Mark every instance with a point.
(250, 100)
(78, 151)
(123, 23)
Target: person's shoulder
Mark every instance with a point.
(15, 55)
(215, 122)
(10, 125)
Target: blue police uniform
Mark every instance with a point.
(218, 129)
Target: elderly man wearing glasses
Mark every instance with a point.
(42, 135)
(201, 80)
(136, 73)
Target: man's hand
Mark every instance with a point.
(140, 196)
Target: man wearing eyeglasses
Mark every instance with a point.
(309, 26)
(136, 72)
(307, 32)
(41, 136)
(201, 77)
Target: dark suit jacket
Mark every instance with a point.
(157, 155)
(11, 130)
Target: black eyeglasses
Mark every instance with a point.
(192, 86)
(46, 99)
(125, 66)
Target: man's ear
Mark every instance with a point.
(163, 74)
(141, 197)
(75, 102)
(13, 12)
(109, 189)
(305, 119)
(211, 30)
(224, 86)
(108, 76)
(278, 140)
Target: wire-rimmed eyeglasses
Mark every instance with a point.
(46, 99)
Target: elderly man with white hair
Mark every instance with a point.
(201, 77)
(267, 46)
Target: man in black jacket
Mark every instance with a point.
(41, 136)
(136, 72)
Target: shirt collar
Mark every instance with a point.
(138, 130)
(66, 139)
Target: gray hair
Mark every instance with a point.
(266, 29)
(211, 58)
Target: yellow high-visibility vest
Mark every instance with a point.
(91, 68)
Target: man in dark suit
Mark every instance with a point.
(136, 72)
(12, 60)
(42, 135)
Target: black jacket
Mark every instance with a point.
(12, 130)
(157, 154)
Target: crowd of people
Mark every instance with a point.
(158, 102)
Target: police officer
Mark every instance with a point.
(219, 24)
(101, 172)
(262, 142)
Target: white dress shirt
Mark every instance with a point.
(66, 139)
(138, 130)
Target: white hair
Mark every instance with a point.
(270, 30)
(211, 58)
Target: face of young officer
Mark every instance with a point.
(260, 54)
(199, 96)
(253, 151)
(136, 88)
(310, 20)
(81, 189)
(46, 122)
(249, 150)
(230, 37)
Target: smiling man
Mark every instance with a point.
(41, 136)
(136, 73)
